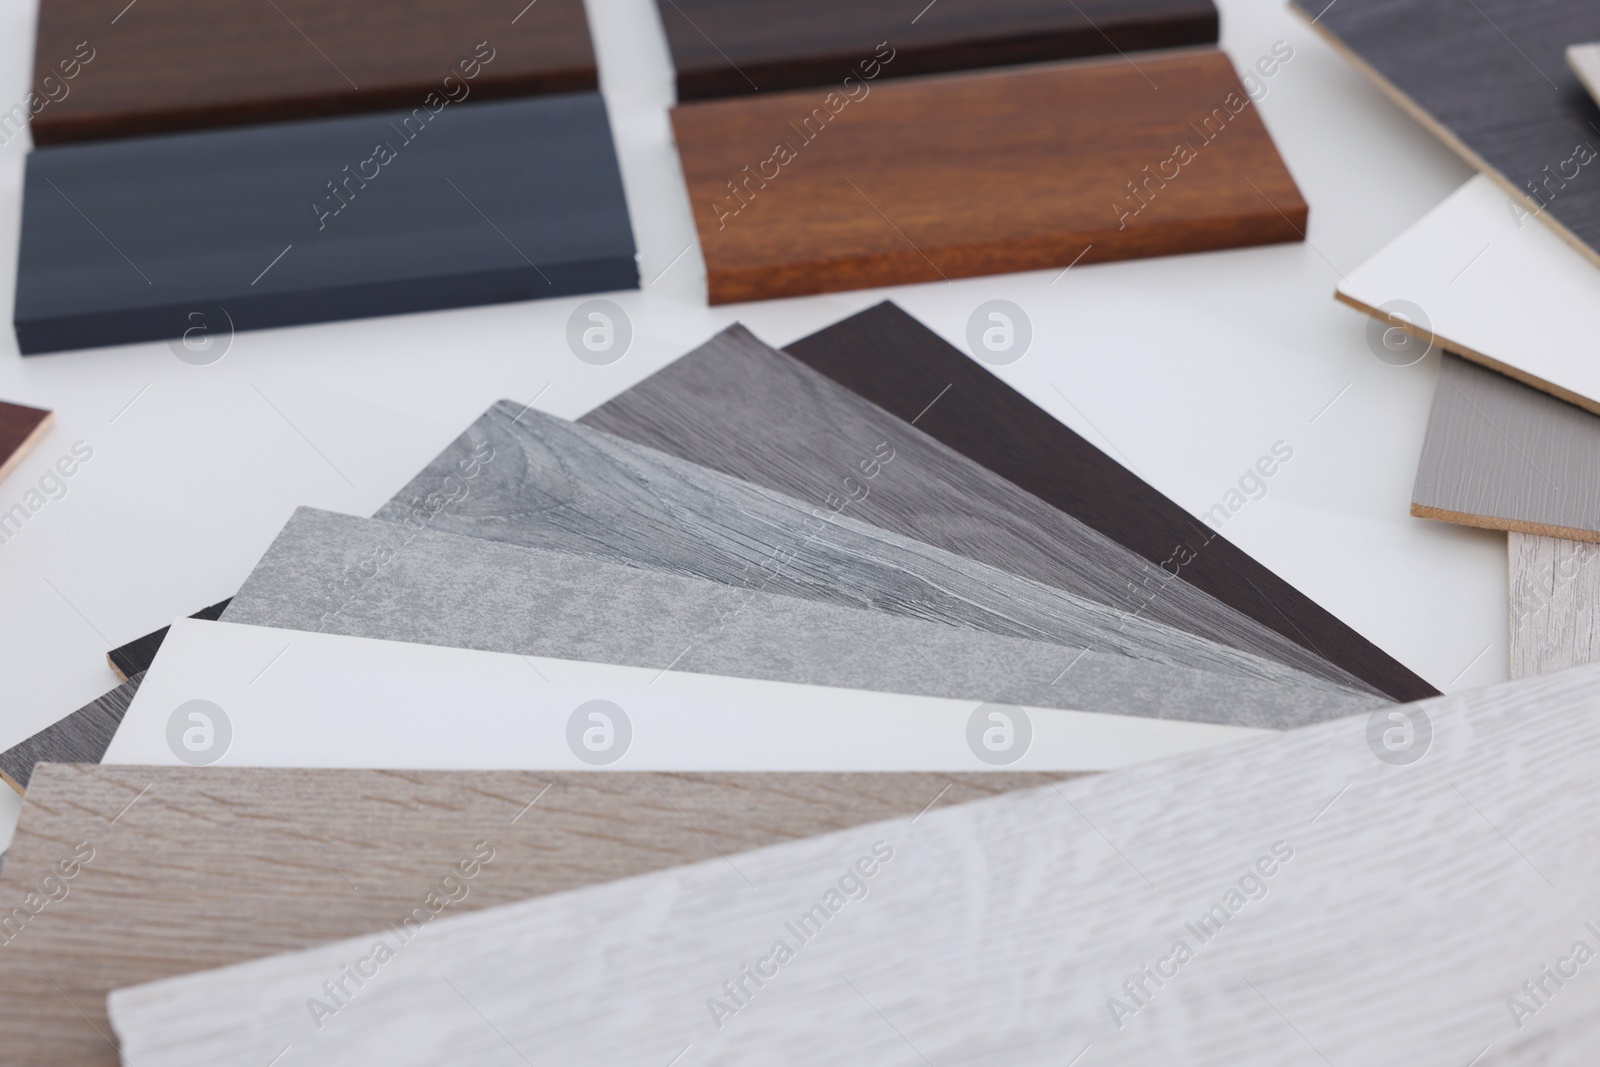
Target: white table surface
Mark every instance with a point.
(1186, 369)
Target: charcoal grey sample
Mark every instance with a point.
(81, 737)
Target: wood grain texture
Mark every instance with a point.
(1584, 59)
(1555, 603)
(81, 737)
(368, 578)
(1355, 912)
(542, 482)
(956, 175)
(136, 656)
(731, 47)
(740, 407)
(1489, 78)
(21, 428)
(895, 362)
(320, 220)
(1502, 456)
(208, 867)
(1493, 288)
(169, 65)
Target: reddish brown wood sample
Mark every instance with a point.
(186, 64)
(20, 429)
(980, 173)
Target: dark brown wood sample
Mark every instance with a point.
(199, 868)
(731, 47)
(1490, 78)
(164, 65)
(20, 429)
(136, 656)
(902, 366)
(943, 177)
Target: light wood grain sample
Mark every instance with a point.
(740, 407)
(1555, 603)
(1502, 292)
(20, 429)
(1584, 59)
(182, 65)
(334, 701)
(228, 845)
(1489, 78)
(1502, 456)
(81, 737)
(811, 192)
(730, 47)
(540, 481)
(897, 363)
(136, 656)
(320, 220)
(1332, 906)
(367, 578)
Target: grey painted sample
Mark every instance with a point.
(1504, 456)
(523, 476)
(741, 407)
(1555, 603)
(368, 578)
(81, 737)
(311, 221)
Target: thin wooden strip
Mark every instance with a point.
(894, 182)
(136, 656)
(1555, 603)
(1584, 59)
(228, 844)
(897, 363)
(1502, 456)
(731, 47)
(1490, 79)
(529, 478)
(21, 428)
(740, 407)
(523, 200)
(81, 737)
(1297, 899)
(367, 578)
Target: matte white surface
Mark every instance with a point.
(296, 699)
(1187, 369)
(1495, 282)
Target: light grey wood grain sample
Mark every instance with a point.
(1384, 891)
(368, 578)
(741, 407)
(523, 476)
(1503, 456)
(81, 737)
(201, 867)
(1555, 603)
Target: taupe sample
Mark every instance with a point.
(1555, 603)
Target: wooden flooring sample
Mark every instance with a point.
(1555, 603)
(333, 701)
(540, 481)
(320, 220)
(169, 65)
(1506, 457)
(20, 429)
(894, 361)
(1512, 296)
(323, 574)
(1100, 160)
(136, 656)
(1584, 59)
(1300, 899)
(228, 844)
(81, 737)
(731, 47)
(740, 407)
(1490, 79)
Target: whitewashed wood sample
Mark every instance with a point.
(529, 478)
(1502, 456)
(289, 698)
(1584, 59)
(228, 844)
(741, 407)
(1555, 603)
(1484, 279)
(1384, 891)
(368, 578)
